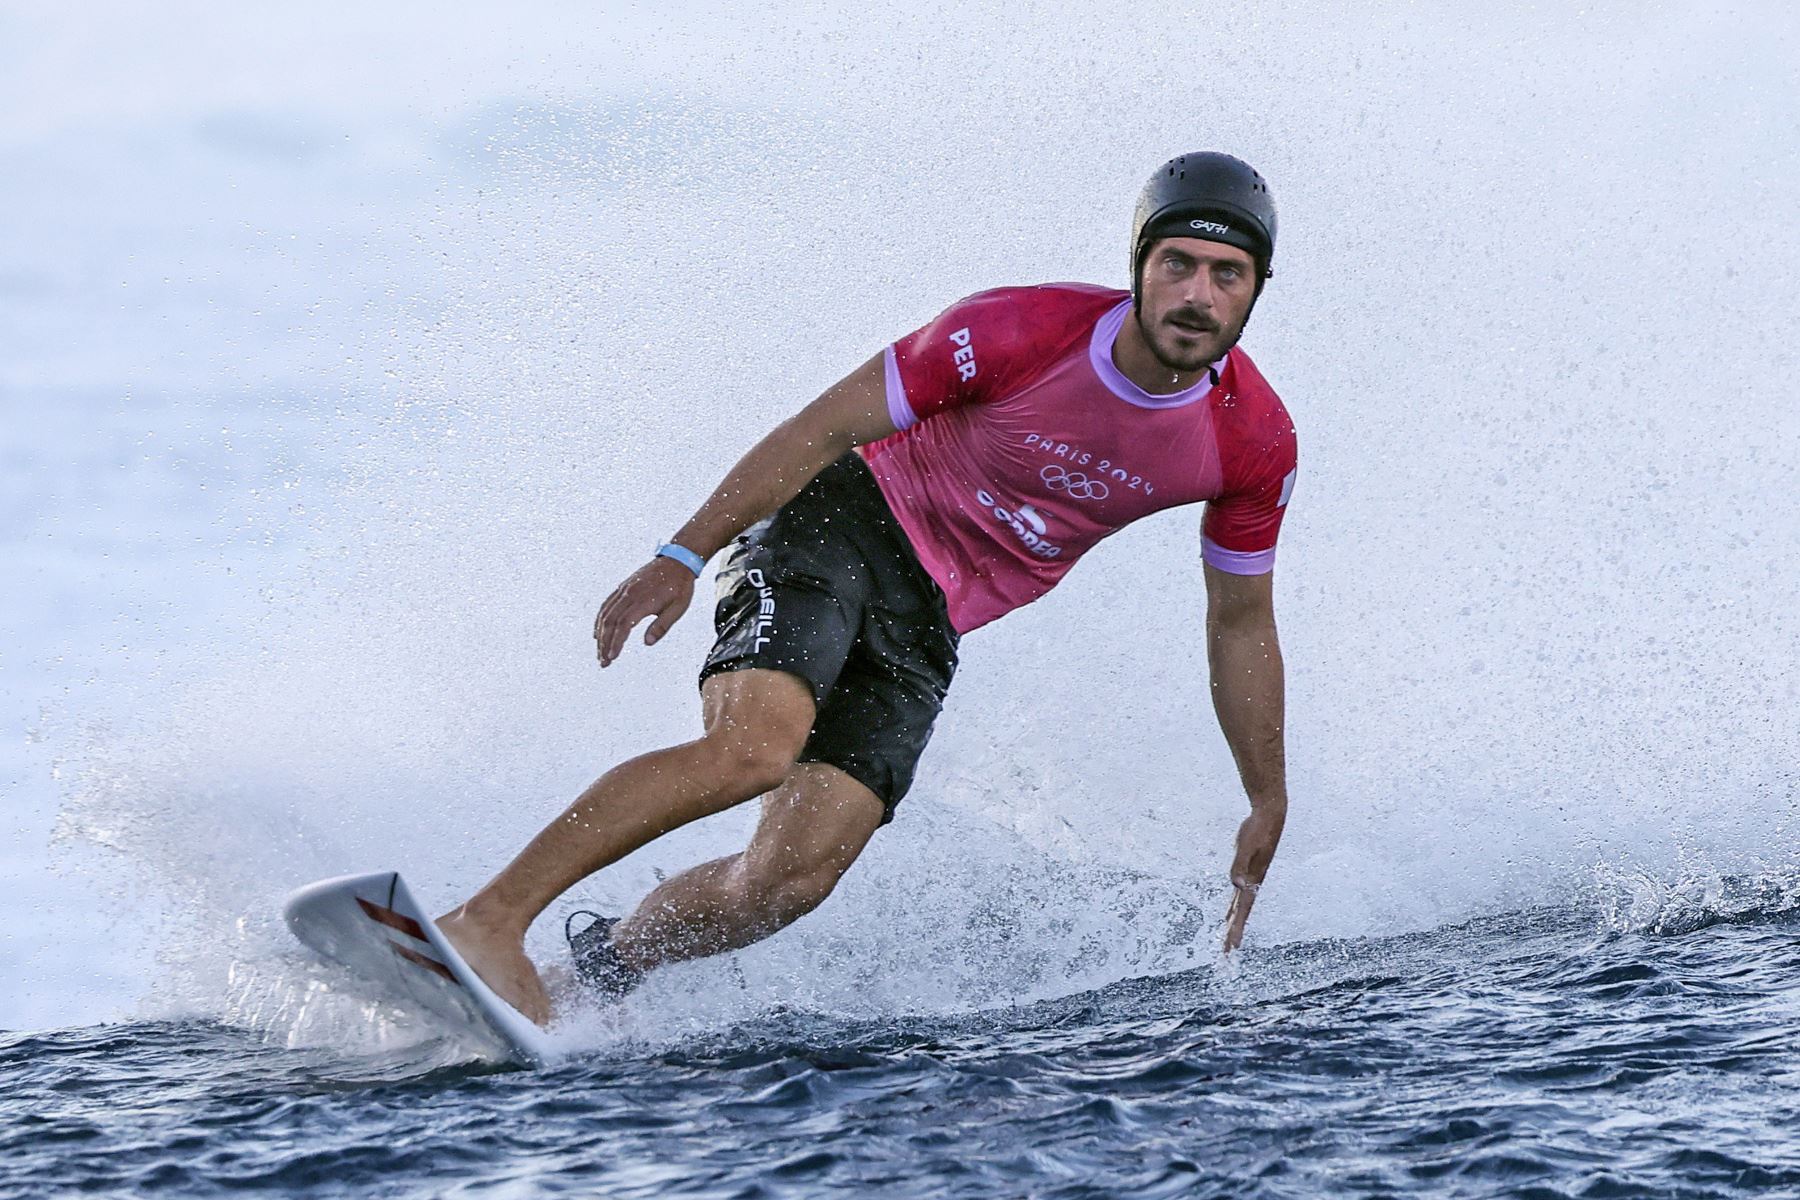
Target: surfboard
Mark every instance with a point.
(373, 927)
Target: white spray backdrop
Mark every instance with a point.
(447, 349)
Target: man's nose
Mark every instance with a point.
(1198, 290)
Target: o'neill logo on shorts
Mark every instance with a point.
(765, 608)
(1026, 524)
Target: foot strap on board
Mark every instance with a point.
(596, 959)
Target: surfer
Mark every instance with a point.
(950, 479)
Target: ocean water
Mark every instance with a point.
(1524, 1056)
(349, 358)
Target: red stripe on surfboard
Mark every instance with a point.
(430, 964)
(393, 920)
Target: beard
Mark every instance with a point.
(1198, 341)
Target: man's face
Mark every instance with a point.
(1194, 299)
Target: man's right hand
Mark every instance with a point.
(849, 413)
(661, 588)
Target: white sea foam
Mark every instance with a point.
(1532, 313)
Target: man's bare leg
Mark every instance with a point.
(812, 829)
(756, 723)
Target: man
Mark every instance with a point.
(945, 482)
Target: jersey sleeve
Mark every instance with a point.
(1239, 530)
(962, 357)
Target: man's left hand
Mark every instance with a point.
(1256, 841)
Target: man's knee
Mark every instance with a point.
(757, 724)
(759, 763)
(788, 896)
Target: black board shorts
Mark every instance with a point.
(829, 589)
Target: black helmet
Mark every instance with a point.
(1206, 195)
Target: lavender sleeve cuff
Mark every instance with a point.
(1237, 562)
(899, 411)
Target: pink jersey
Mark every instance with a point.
(1021, 445)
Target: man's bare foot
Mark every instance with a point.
(499, 958)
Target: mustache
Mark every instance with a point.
(1193, 317)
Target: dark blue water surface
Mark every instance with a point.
(1521, 1056)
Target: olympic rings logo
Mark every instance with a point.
(1079, 486)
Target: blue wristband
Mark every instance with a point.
(682, 555)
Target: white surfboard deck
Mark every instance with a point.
(372, 927)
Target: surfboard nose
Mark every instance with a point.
(371, 926)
